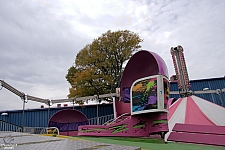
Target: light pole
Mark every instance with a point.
(49, 103)
(74, 101)
(97, 97)
(24, 99)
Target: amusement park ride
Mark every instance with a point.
(140, 107)
(181, 70)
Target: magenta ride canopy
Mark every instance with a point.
(143, 63)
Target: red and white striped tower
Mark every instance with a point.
(181, 70)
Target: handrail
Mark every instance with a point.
(114, 120)
(10, 123)
(100, 119)
(50, 130)
(108, 121)
(7, 126)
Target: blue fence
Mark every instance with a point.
(39, 117)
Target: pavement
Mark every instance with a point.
(26, 141)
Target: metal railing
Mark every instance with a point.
(101, 120)
(120, 118)
(34, 130)
(6, 126)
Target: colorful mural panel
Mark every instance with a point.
(144, 95)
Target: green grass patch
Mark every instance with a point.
(130, 139)
(151, 144)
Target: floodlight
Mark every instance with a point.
(4, 114)
(205, 89)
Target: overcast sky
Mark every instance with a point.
(39, 39)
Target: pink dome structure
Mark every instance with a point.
(67, 121)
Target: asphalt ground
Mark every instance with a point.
(25, 141)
